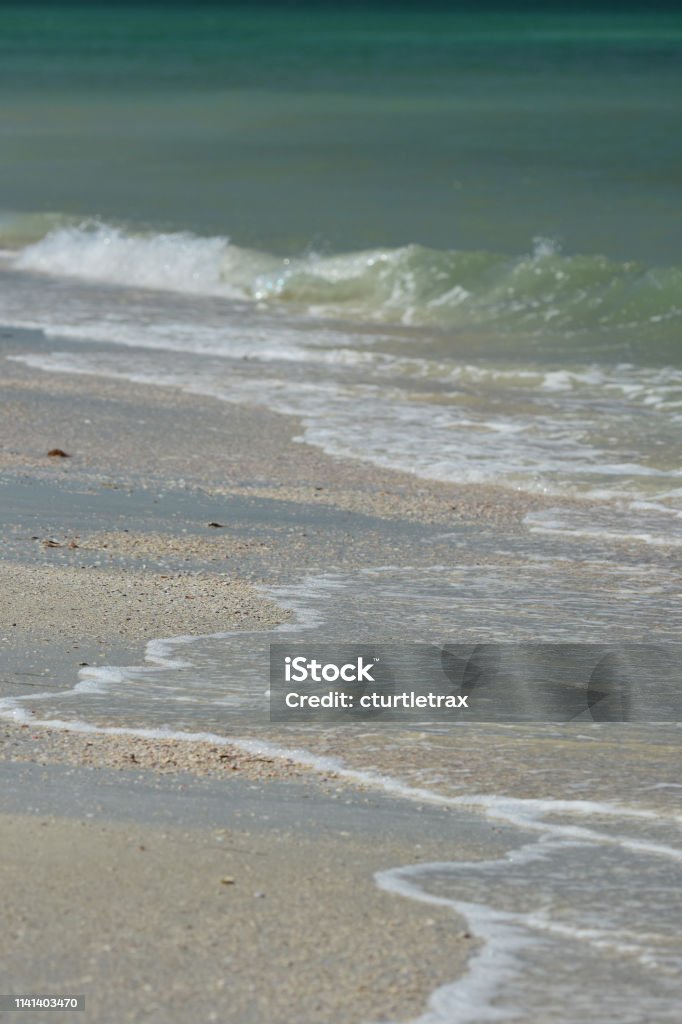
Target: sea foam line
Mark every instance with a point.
(503, 935)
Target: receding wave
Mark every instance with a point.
(542, 291)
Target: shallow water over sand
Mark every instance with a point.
(590, 813)
(463, 405)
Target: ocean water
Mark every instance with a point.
(448, 242)
(350, 126)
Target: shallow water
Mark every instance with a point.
(458, 407)
(590, 814)
(219, 684)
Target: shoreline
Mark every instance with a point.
(113, 547)
(260, 458)
(104, 557)
(132, 550)
(363, 352)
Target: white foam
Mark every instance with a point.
(177, 262)
(549, 431)
(467, 1000)
(641, 522)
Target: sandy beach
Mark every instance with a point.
(231, 902)
(174, 880)
(167, 922)
(340, 513)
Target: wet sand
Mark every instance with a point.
(121, 431)
(111, 547)
(180, 899)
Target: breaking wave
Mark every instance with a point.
(542, 291)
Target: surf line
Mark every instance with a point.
(502, 934)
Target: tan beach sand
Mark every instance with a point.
(169, 926)
(56, 618)
(257, 925)
(145, 921)
(122, 428)
(42, 745)
(65, 604)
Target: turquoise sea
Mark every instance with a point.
(449, 241)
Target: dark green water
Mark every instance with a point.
(494, 198)
(349, 128)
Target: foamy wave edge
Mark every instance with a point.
(541, 291)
